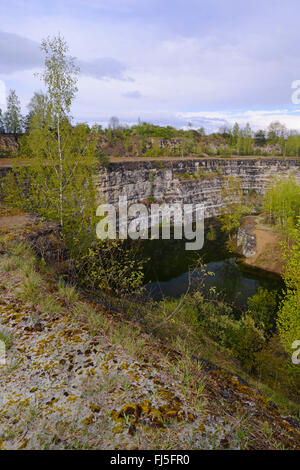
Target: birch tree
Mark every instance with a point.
(13, 120)
(60, 77)
(60, 173)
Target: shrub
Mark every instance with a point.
(67, 293)
(289, 313)
(110, 268)
(262, 307)
(246, 340)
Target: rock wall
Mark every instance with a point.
(246, 238)
(188, 181)
(9, 144)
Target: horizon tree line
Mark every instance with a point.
(237, 140)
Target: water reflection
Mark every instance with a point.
(169, 265)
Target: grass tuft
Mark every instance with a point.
(85, 312)
(67, 293)
(7, 337)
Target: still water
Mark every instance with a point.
(169, 268)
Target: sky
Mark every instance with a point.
(208, 62)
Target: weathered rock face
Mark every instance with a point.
(188, 181)
(8, 144)
(246, 239)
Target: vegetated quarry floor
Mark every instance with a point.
(66, 385)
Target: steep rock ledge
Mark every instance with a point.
(246, 238)
(188, 181)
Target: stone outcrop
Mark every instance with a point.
(9, 144)
(188, 181)
(246, 238)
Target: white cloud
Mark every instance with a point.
(198, 70)
(259, 119)
(104, 68)
(18, 53)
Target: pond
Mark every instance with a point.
(170, 267)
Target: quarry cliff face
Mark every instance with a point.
(197, 181)
(186, 181)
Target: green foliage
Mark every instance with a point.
(37, 110)
(212, 234)
(49, 304)
(58, 183)
(289, 313)
(293, 145)
(102, 157)
(150, 130)
(260, 138)
(262, 307)
(7, 338)
(13, 121)
(67, 292)
(37, 188)
(282, 203)
(30, 289)
(234, 208)
(245, 340)
(276, 131)
(95, 319)
(242, 337)
(110, 268)
(2, 128)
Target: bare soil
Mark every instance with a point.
(269, 254)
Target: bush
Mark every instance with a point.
(242, 337)
(262, 307)
(111, 269)
(289, 313)
(245, 341)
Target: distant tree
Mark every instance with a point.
(260, 138)
(2, 129)
(235, 133)
(37, 107)
(276, 130)
(225, 131)
(293, 145)
(247, 131)
(26, 122)
(13, 118)
(248, 141)
(114, 123)
(97, 129)
(282, 202)
(201, 131)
